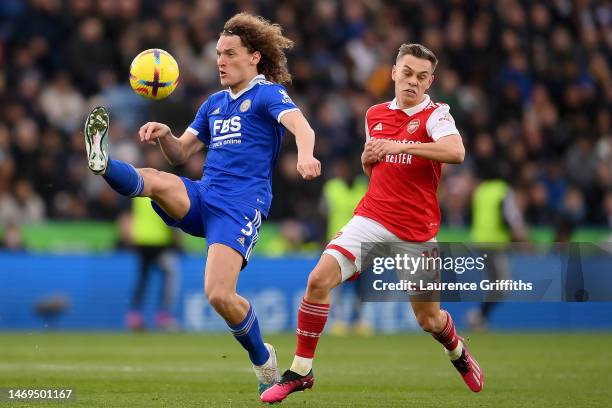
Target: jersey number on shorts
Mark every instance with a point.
(247, 232)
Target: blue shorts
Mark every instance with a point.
(218, 219)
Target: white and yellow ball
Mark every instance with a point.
(154, 74)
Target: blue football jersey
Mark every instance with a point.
(244, 136)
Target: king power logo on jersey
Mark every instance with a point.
(226, 131)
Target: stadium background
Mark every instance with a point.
(529, 85)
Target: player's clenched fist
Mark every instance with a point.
(309, 167)
(382, 147)
(151, 131)
(369, 157)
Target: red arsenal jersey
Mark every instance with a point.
(403, 188)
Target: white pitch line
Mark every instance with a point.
(111, 368)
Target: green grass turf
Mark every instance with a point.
(191, 370)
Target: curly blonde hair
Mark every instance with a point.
(258, 34)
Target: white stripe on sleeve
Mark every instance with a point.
(280, 115)
(192, 130)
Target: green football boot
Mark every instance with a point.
(96, 139)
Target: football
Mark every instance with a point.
(154, 74)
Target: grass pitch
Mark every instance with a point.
(191, 370)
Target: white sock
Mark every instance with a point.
(456, 353)
(301, 365)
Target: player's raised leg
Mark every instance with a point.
(312, 316)
(165, 189)
(440, 324)
(223, 265)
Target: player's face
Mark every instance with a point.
(237, 66)
(413, 76)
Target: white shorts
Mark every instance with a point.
(346, 246)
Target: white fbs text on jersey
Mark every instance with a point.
(226, 131)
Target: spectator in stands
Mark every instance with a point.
(23, 206)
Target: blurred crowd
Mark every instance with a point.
(529, 84)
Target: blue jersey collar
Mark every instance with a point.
(256, 79)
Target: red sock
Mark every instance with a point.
(311, 321)
(447, 336)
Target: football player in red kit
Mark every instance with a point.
(408, 139)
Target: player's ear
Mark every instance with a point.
(393, 71)
(431, 79)
(255, 58)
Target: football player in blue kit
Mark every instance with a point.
(243, 128)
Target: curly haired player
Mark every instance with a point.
(242, 127)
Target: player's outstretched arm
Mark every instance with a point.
(447, 149)
(308, 167)
(175, 150)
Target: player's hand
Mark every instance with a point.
(151, 131)
(382, 147)
(369, 157)
(309, 167)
